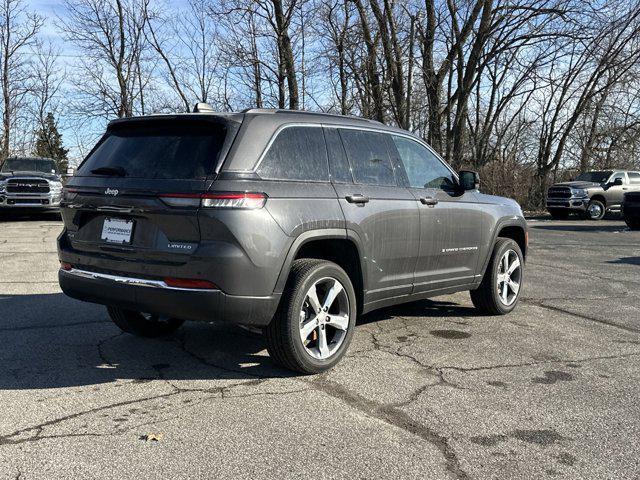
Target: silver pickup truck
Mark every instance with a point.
(592, 194)
(29, 183)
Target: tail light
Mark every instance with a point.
(190, 283)
(249, 201)
(238, 200)
(66, 266)
(69, 194)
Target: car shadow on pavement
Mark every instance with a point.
(626, 261)
(51, 341)
(420, 308)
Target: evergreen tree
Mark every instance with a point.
(49, 143)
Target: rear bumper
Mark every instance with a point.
(153, 296)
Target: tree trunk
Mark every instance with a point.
(285, 52)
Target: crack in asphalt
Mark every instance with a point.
(583, 274)
(389, 413)
(541, 304)
(222, 393)
(100, 346)
(57, 325)
(9, 438)
(541, 362)
(393, 416)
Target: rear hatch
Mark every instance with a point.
(134, 196)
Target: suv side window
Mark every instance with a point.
(424, 169)
(338, 163)
(297, 153)
(367, 152)
(634, 178)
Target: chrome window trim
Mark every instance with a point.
(351, 127)
(399, 134)
(138, 282)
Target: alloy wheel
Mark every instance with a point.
(324, 318)
(509, 277)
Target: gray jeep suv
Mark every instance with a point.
(292, 222)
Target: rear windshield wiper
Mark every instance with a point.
(110, 171)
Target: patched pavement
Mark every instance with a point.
(428, 390)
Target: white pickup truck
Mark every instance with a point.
(30, 183)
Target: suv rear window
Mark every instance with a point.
(297, 153)
(158, 150)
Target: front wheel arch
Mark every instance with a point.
(507, 228)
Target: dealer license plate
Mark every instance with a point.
(117, 230)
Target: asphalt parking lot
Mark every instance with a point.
(428, 390)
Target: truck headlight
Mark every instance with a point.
(3, 187)
(579, 192)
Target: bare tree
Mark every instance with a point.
(110, 37)
(607, 45)
(18, 30)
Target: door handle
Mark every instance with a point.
(430, 201)
(357, 198)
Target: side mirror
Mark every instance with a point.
(469, 180)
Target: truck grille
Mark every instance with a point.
(17, 185)
(559, 192)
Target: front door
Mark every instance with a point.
(451, 221)
(615, 193)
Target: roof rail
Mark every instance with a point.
(305, 112)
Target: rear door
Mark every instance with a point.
(451, 221)
(383, 214)
(137, 193)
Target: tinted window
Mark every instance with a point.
(297, 153)
(158, 150)
(29, 165)
(423, 168)
(596, 177)
(634, 177)
(338, 163)
(368, 156)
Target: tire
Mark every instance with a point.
(559, 214)
(632, 222)
(143, 324)
(596, 210)
(284, 334)
(487, 297)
